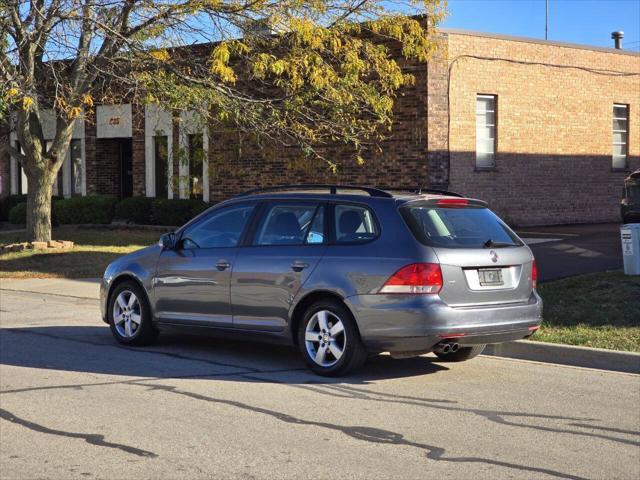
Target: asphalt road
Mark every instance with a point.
(566, 250)
(73, 404)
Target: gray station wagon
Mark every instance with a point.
(340, 271)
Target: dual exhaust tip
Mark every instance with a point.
(446, 347)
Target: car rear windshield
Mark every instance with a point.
(458, 227)
(633, 192)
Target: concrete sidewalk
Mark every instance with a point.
(78, 288)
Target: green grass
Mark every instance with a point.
(600, 310)
(94, 249)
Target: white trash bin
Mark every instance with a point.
(630, 237)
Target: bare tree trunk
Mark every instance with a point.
(40, 186)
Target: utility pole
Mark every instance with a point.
(546, 21)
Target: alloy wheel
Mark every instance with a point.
(325, 338)
(127, 315)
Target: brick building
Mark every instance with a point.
(544, 131)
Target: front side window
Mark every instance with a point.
(486, 131)
(75, 154)
(354, 224)
(620, 135)
(222, 228)
(196, 165)
(291, 224)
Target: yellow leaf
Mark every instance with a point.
(87, 100)
(12, 92)
(74, 112)
(160, 55)
(27, 103)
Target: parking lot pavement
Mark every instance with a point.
(567, 250)
(73, 404)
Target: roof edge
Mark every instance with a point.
(473, 33)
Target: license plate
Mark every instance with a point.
(490, 277)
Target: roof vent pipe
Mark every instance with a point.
(617, 38)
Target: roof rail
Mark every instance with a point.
(421, 190)
(374, 192)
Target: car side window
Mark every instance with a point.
(222, 229)
(354, 224)
(291, 224)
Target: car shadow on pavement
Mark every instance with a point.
(93, 350)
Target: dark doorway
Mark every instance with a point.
(126, 167)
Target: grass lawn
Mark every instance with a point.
(94, 249)
(599, 310)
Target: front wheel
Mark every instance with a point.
(129, 315)
(329, 339)
(462, 354)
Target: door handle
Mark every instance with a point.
(222, 265)
(299, 266)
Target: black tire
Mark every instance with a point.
(353, 352)
(462, 355)
(146, 332)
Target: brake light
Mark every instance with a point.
(452, 202)
(534, 274)
(415, 278)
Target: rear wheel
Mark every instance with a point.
(462, 354)
(129, 315)
(329, 339)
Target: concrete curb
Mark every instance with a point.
(627, 362)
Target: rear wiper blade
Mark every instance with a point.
(491, 244)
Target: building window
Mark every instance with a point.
(20, 177)
(620, 135)
(486, 131)
(75, 155)
(161, 159)
(196, 165)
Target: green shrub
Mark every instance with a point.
(18, 214)
(175, 212)
(75, 210)
(6, 204)
(135, 209)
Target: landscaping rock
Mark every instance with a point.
(54, 244)
(66, 244)
(38, 245)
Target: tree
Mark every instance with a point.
(304, 73)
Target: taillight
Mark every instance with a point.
(534, 274)
(452, 202)
(415, 278)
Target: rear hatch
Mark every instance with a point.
(483, 261)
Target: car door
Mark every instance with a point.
(285, 248)
(191, 285)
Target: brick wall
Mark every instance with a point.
(554, 139)
(236, 163)
(137, 162)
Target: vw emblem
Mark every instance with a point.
(493, 255)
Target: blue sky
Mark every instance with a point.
(579, 21)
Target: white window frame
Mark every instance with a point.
(481, 122)
(625, 133)
(158, 122)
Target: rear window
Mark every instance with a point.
(458, 227)
(633, 192)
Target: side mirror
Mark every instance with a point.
(168, 241)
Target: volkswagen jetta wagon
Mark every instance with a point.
(340, 271)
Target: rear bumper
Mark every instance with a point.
(412, 323)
